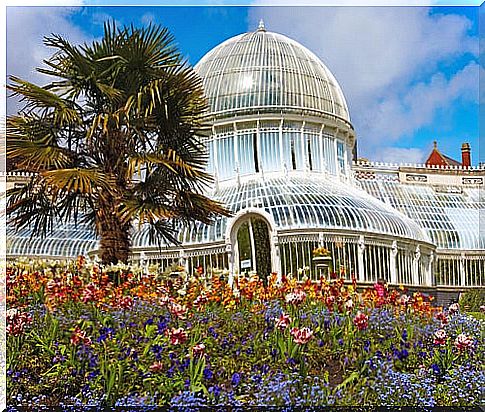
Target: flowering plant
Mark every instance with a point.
(321, 251)
(76, 336)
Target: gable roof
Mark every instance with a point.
(439, 159)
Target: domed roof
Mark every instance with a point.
(265, 70)
(303, 203)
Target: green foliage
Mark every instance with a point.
(472, 300)
(116, 137)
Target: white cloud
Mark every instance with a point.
(148, 18)
(26, 28)
(385, 59)
(401, 115)
(400, 155)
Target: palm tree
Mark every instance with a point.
(116, 138)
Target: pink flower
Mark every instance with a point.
(463, 342)
(454, 308)
(89, 293)
(380, 289)
(482, 308)
(440, 337)
(349, 304)
(178, 310)
(361, 320)
(16, 321)
(301, 336)
(283, 321)
(198, 349)
(156, 367)
(79, 336)
(177, 336)
(296, 297)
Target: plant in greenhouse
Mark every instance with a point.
(321, 252)
(115, 138)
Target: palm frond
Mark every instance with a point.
(145, 211)
(82, 181)
(37, 156)
(37, 97)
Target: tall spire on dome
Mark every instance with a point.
(261, 26)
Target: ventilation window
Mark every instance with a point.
(309, 154)
(293, 156)
(255, 153)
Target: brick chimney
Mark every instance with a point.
(466, 160)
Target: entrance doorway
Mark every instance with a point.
(253, 247)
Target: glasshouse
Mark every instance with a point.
(283, 155)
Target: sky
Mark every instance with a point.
(410, 74)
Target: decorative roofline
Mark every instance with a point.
(397, 166)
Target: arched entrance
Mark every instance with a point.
(253, 247)
(252, 243)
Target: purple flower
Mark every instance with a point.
(236, 378)
(208, 374)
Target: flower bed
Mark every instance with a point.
(81, 336)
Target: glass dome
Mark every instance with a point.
(303, 203)
(264, 70)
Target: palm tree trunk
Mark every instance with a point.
(115, 236)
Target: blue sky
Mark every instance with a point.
(410, 74)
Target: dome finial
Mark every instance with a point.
(261, 26)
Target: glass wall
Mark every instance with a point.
(271, 149)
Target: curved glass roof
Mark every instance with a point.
(452, 220)
(261, 70)
(302, 203)
(64, 240)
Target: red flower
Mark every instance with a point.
(177, 336)
(200, 300)
(296, 297)
(301, 336)
(330, 300)
(283, 321)
(178, 310)
(89, 293)
(16, 321)
(79, 336)
(198, 349)
(440, 337)
(463, 342)
(361, 320)
(156, 367)
(442, 317)
(125, 302)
